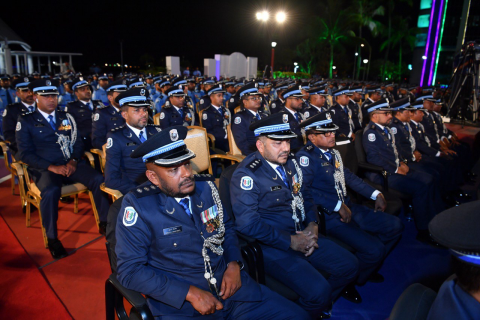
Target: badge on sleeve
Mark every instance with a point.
(4, 112)
(274, 105)
(238, 120)
(96, 117)
(306, 114)
(162, 115)
(232, 100)
(205, 116)
(109, 143)
(129, 217)
(19, 126)
(246, 183)
(304, 161)
(394, 130)
(371, 137)
(202, 101)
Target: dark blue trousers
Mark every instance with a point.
(50, 186)
(372, 235)
(272, 306)
(302, 274)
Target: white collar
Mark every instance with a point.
(137, 132)
(85, 103)
(414, 122)
(381, 127)
(45, 115)
(291, 111)
(216, 107)
(253, 112)
(189, 202)
(28, 105)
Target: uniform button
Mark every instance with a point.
(175, 244)
(278, 199)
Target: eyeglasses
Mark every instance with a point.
(387, 113)
(327, 134)
(254, 98)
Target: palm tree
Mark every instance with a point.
(335, 28)
(402, 36)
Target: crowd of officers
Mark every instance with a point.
(286, 129)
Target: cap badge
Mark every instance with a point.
(25, 79)
(142, 92)
(48, 83)
(328, 116)
(285, 118)
(256, 85)
(80, 78)
(124, 82)
(174, 134)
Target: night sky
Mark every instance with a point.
(193, 30)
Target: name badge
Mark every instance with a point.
(172, 230)
(39, 125)
(275, 188)
(131, 144)
(324, 164)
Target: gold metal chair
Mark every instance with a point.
(101, 155)
(33, 196)
(234, 150)
(8, 158)
(197, 141)
(156, 119)
(115, 194)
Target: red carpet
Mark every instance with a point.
(25, 293)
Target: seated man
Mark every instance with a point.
(379, 145)
(108, 117)
(49, 143)
(216, 117)
(250, 100)
(371, 233)
(176, 246)
(177, 113)
(268, 206)
(122, 172)
(459, 296)
(342, 115)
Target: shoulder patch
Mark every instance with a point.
(130, 216)
(19, 126)
(205, 117)
(306, 114)
(162, 115)
(232, 100)
(96, 117)
(254, 165)
(4, 112)
(371, 137)
(304, 161)
(238, 120)
(274, 105)
(246, 183)
(204, 177)
(109, 143)
(394, 130)
(202, 101)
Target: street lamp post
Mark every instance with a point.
(274, 44)
(365, 61)
(280, 18)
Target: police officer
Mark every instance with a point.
(177, 113)
(100, 92)
(216, 117)
(191, 93)
(234, 101)
(293, 106)
(149, 83)
(82, 110)
(204, 101)
(268, 206)
(459, 295)
(47, 141)
(342, 115)
(122, 172)
(355, 95)
(160, 99)
(7, 95)
(176, 245)
(67, 96)
(390, 92)
(371, 233)
(374, 94)
(108, 117)
(230, 91)
(381, 151)
(251, 100)
(278, 103)
(14, 110)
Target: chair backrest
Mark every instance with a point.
(28, 181)
(103, 158)
(361, 156)
(19, 171)
(200, 117)
(349, 155)
(197, 141)
(7, 156)
(156, 119)
(237, 109)
(414, 303)
(224, 189)
(234, 150)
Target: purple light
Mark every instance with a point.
(428, 42)
(435, 45)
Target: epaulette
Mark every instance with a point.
(71, 102)
(60, 110)
(102, 107)
(254, 165)
(117, 128)
(309, 148)
(13, 104)
(204, 177)
(144, 191)
(291, 155)
(372, 127)
(152, 125)
(27, 113)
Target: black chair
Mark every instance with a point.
(414, 303)
(350, 161)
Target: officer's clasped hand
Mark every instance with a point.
(231, 281)
(304, 242)
(203, 301)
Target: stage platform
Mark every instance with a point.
(73, 287)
